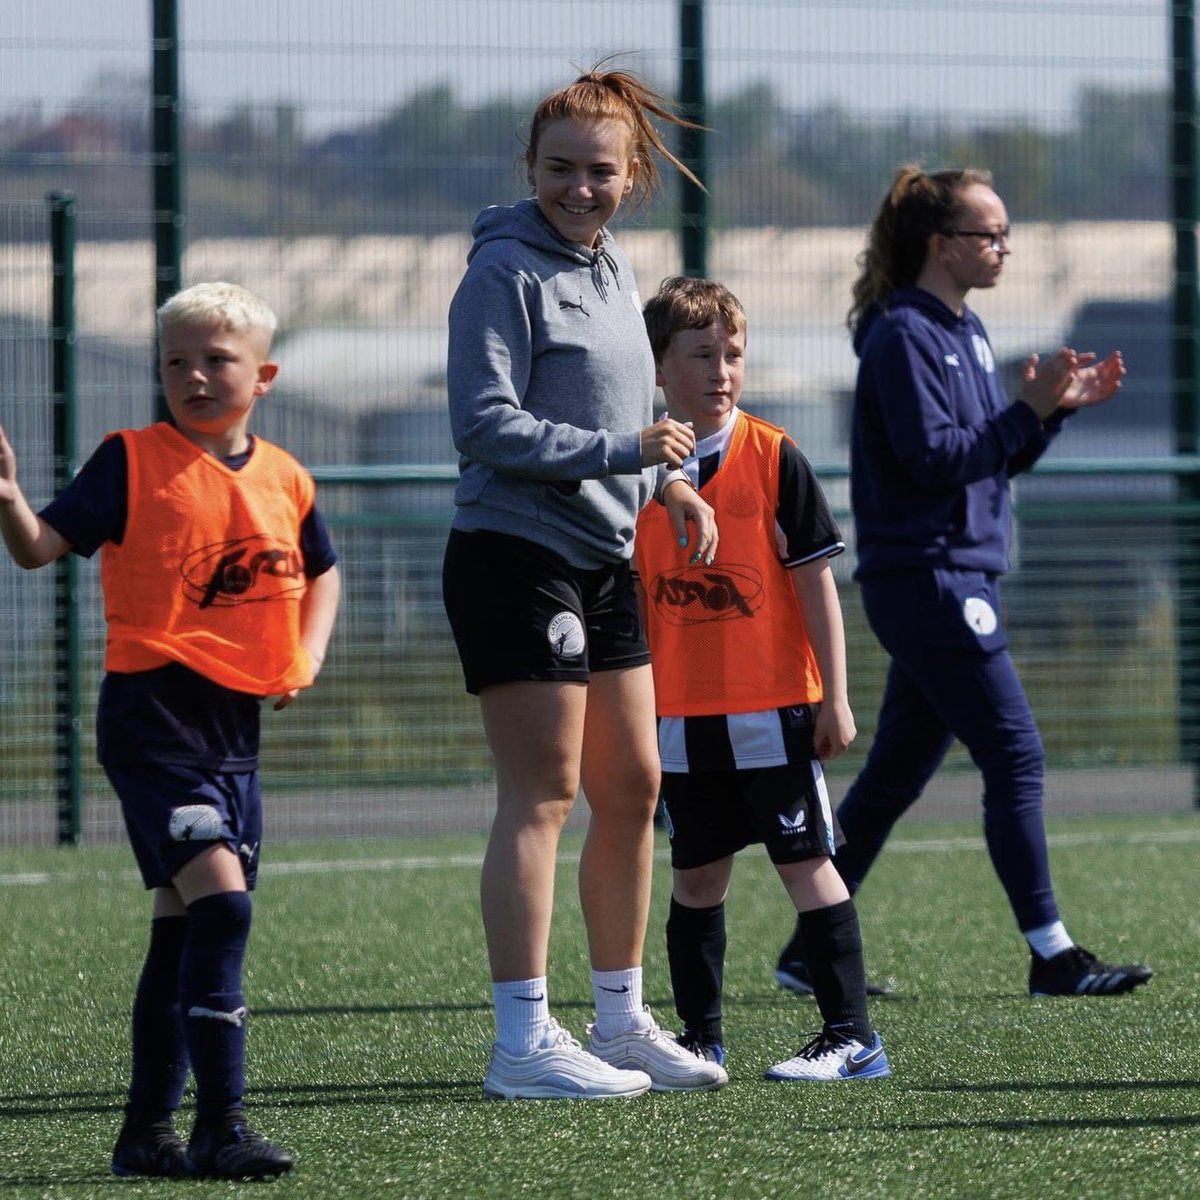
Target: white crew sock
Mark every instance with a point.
(619, 1001)
(522, 1013)
(1049, 940)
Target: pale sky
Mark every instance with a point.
(342, 60)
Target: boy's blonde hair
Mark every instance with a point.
(683, 302)
(234, 307)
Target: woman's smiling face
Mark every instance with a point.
(580, 174)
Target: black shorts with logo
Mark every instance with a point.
(519, 611)
(713, 814)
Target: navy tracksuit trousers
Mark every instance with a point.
(951, 677)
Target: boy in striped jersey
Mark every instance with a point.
(750, 684)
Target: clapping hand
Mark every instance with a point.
(1093, 382)
(1069, 379)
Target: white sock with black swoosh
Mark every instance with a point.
(618, 1001)
(522, 1013)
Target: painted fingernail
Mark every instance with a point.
(683, 541)
(695, 557)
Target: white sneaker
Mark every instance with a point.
(559, 1069)
(671, 1067)
(833, 1055)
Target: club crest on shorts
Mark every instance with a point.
(195, 823)
(565, 634)
(980, 616)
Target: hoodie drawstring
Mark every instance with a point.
(600, 259)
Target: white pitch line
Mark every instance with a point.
(432, 862)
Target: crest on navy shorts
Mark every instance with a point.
(195, 823)
(980, 616)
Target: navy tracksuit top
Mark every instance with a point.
(934, 441)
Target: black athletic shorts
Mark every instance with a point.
(713, 814)
(519, 611)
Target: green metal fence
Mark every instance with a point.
(332, 157)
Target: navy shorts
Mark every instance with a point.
(713, 814)
(519, 611)
(173, 813)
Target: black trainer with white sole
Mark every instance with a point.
(1078, 972)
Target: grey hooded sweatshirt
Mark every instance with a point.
(551, 381)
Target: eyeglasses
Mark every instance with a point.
(997, 239)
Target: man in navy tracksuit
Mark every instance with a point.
(934, 442)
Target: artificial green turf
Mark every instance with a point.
(371, 1023)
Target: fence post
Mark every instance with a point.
(169, 217)
(693, 146)
(67, 688)
(1185, 326)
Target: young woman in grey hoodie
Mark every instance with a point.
(551, 386)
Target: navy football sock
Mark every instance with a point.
(213, 1007)
(160, 1058)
